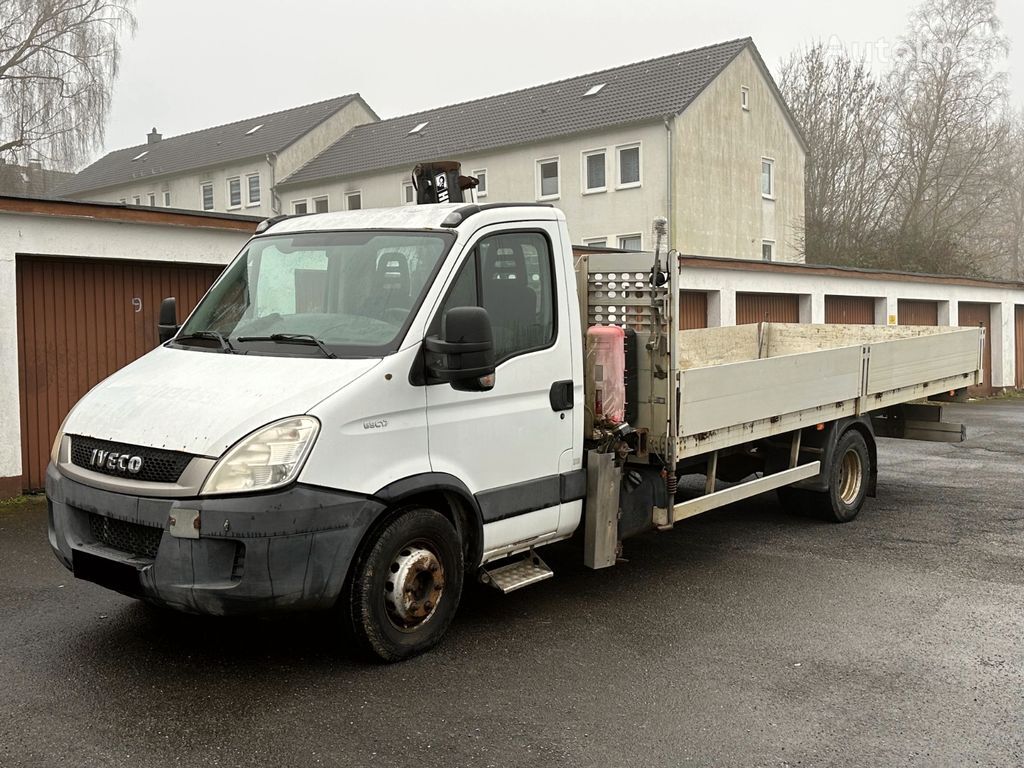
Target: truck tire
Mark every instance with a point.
(406, 585)
(848, 478)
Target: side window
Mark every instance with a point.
(510, 275)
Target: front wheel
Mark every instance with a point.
(406, 586)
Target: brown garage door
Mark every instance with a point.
(693, 310)
(913, 312)
(971, 316)
(78, 322)
(851, 310)
(767, 307)
(1019, 346)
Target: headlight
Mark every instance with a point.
(268, 458)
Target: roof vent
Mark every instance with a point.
(594, 90)
(141, 155)
(253, 130)
(418, 128)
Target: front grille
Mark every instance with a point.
(157, 466)
(135, 539)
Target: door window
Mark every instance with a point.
(509, 275)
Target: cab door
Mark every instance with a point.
(510, 445)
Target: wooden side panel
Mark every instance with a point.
(79, 321)
(721, 396)
(850, 310)
(1019, 345)
(767, 308)
(907, 362)
(973, 315)
(693, 310)
(912, 312)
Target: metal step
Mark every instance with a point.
(517, 574)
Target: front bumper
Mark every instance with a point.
(287, 549)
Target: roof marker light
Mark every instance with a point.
(419, 128)
(253, 130)
(594, 90)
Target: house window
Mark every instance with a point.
(745, 97)
(207, 194)
(597, 242)
(320, 204)
(767, 177)
(300, 207)
(151, 199)
(253, 185)
(767, 250)
(235, 193)
(408, 193)
(123, 200)
(547, 178)
(353, 201)
(136, 200)
(594, 172)
(481, 178)
(167, 199)
(631, 242)
(629, 166)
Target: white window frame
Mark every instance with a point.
(620, 238)
(583, 171)
(745, 98)
(407, 186)
(350, 195)
(325, 198)
(151, 199)
(167, 198)
(227, 193)
(537, 172)
(639, 165)
(249, 202)
(593, 241)
(304, 201)
(771, 246)
(487, 182)
(136, 200)
(123, 201)
(770, 195)
(202, 196)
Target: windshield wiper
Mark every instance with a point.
(292, 338)
(225, 345)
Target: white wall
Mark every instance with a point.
(89, 238)
(722, 285)
(512, 177)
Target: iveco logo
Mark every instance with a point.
(378, 424)
(115, 462)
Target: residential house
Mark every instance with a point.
(229, 168)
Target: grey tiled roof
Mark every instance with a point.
(30, 180)
(199, 149)
(647, 90)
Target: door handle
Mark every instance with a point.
(561, 396)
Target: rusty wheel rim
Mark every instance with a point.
(850, 478)
(414, 586)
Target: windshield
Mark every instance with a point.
(344, 293)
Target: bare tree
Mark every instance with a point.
(844, 111)
(949, 118)
(58, 59)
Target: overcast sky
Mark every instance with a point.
(196, 64)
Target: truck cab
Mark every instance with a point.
(366, 406)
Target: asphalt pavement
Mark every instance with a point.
(745, 637)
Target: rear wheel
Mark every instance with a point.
(406, 586)
(848, 475)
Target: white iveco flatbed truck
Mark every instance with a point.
(370, 406)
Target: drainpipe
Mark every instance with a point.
(275, 201)
(668, 184)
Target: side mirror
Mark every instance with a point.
(168, 319)
(464, 354)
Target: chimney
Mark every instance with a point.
(35, 164)
(153, 137)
